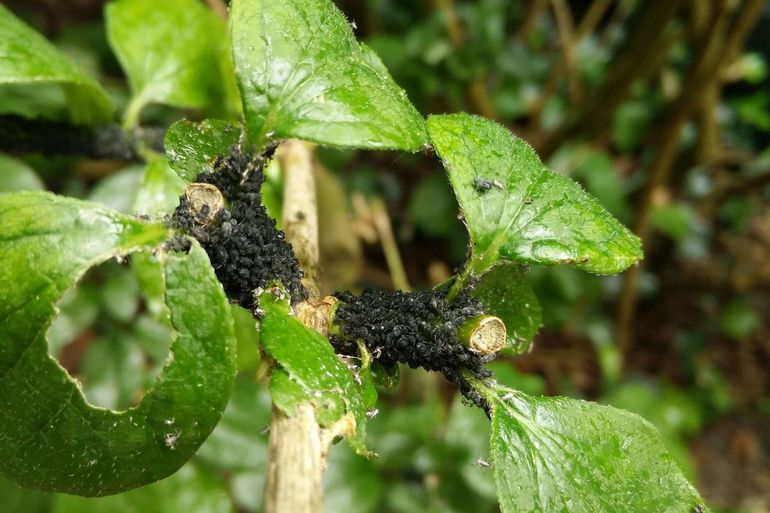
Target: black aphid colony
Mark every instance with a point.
(246, 249)
(415, 328)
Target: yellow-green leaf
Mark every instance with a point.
(518, 210)
(553, 454)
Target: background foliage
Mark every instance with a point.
(667, 127)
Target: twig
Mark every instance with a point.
(642, 53)
(381, 222)
(564, 62)
(477, 88)
(591, 18)
(295, 450)
(714, 54)
(566, 28)
(219, 7)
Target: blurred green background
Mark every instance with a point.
(660, 108)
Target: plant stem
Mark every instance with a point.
(300, 209)
(483, 334)
(459, 282)
(295, 451)
(131, 115)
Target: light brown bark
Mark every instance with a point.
(295, 451)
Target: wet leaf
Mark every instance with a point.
(309, 371)
(559, 454)
(517, 210)
(193, 147)
(51, 438)
(504, 292)
(171, 52)
(303, 75)
(28, 58)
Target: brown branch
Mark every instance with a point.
(381, 222)
(717, 46)
(565, 62)
(643, 52)
(295, 450)
(591, 18)
(477, 87)
(219, 8)
(566, 28)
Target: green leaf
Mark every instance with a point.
(51, 438)
(191, 490)
(193, 147)
(310, 371)
(160, 189)
(13, 498)
(112, 370)
(247, 335)
(119, 191)
(504, 292)
(28, 58)
(517, 210)
(171, 52)
(18, 176)
(303, 75)
(351, 483)
(558, 454)
(239, 442)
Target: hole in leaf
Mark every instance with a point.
(111, 333)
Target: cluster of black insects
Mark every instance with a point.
(244, 246)
(248, 252)
(418, 329)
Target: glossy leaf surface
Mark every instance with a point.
(170, 50)
(193, 147)
(518, 210)
(303, 75)
(51, 438)
(309, 371)
(553, 454)
(504, 292)
(26, 57)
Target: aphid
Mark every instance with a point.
(483, 463)
(223, 210)
(170, 439)
(418, 329)
(484, 184)
(698, 508)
